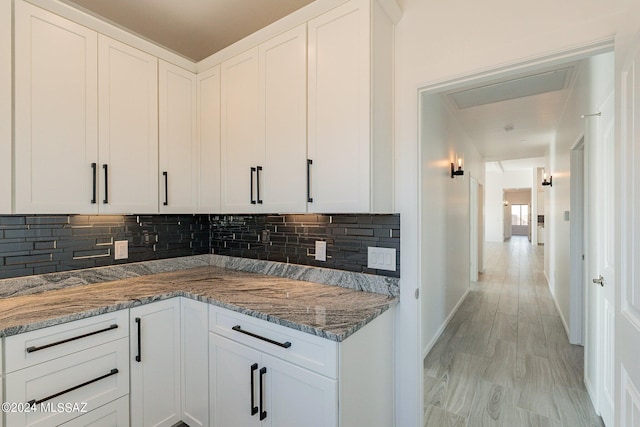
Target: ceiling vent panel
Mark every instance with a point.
(511, 89)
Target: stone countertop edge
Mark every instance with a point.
(15, 330)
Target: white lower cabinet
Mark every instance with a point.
(250, 388)
(194, 362)
(155, 363)
(113, 414)
(66, 387)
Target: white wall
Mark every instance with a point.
(495, 184)
(445, 215)
(438, 41)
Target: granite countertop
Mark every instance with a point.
(330, 312)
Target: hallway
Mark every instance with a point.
(504, 359)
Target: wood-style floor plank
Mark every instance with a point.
(504, 359)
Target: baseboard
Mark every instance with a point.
(591, 394)
(555, 302)
(428, 348)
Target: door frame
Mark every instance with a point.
(577, 250)
(474, 225)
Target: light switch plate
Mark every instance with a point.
(121, 249)
(381, 258)
(321, 250)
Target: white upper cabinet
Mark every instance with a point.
(56, 116)
(350, 109)
(128, 137)
(264, 127)
(5, 108)
(177, 140)
(283, 99)
(242, 146)
(209, 140)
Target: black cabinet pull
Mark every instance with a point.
(53, 396)
(258, 169)
(253, 202)
(106, 183)
(238, 328)
(42, 347)
(166, 188)
(254, 409)
(309, 198)
(94, 170)
(139, 355)
(263, 414)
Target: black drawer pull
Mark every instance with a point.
(258, 169)
(166, 188)
(286, 344)
(254, 409)
(106, 183)
(139, 356)
(53, 396)
(253, 202)
(42, 347)
(95, 179)
(263, 414)
(309, 198)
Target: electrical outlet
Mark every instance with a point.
(121, 249)
(381, 258)
(321, 250)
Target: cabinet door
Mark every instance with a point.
(5, 109)
(339, 109)
(233, 369)
(114, 413)
(283, 83)
(209, 141)
(128, 136)
(298, 397)
(155, 363)
(242, 137)
(194, 362)
(177, 139)
(56, 113)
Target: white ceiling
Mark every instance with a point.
(517, 128)
(195, 29)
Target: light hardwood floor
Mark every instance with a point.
(504, 359)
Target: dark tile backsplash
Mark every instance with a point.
(291, 238)
(38, 244)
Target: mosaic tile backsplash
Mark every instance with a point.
(39, 244)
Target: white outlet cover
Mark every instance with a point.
(321, 250)
(381, 258)
(121, 249)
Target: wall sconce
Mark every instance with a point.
(505, 203)
(458, 172)
(545, 182)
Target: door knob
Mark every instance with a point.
(599, 280)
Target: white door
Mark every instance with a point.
(56, 113)
(473, 229)
(600, 257)
(242, 133)
(155, 363)
(235, 394)
(128, 128)
(628, 202)
(297, 397)
(283, 90)
(177, 139)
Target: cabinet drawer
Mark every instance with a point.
(89, 379)
(112, 414)
(42, 345)
(306, 350)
